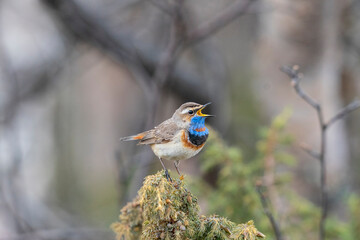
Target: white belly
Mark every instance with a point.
(174, 150)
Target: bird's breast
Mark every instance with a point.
(198, 133)
(198, 139)
(192, 140)
(179, 148)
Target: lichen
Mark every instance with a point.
(131, 221)
(167, 210)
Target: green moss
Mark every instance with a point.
(166, 210)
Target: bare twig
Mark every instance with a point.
(212, 26)
(264, 203)
(309, 151)
(344, 112)
(295, 80)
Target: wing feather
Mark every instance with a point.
(162, 133)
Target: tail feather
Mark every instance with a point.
(132, 138)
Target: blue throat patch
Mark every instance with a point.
(196, 136)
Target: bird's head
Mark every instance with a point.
(190, 112)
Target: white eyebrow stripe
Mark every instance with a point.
(185, 110)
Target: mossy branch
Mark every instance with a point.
(166, 210)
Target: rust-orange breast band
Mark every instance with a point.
(200, 129)
(186, 143)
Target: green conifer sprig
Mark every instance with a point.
(166, 210)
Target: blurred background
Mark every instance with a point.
(76, 75)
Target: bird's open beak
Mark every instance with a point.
(199, 113)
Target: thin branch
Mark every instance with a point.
(234, 11)
(295, 81)
(264, 203)
(344, 112)
(309, 151)
(293, 74)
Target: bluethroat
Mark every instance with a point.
(178, 138)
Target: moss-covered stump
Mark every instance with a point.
(166, 210)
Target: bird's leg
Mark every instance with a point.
(167, 175)
(176, 164)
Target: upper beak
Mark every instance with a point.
(199, 113)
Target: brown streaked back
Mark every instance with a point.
(161, 134)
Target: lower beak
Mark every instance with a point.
(199, 113)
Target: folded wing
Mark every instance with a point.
(161, 134)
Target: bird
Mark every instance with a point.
(180, 137)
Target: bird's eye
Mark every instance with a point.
(191, 112)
